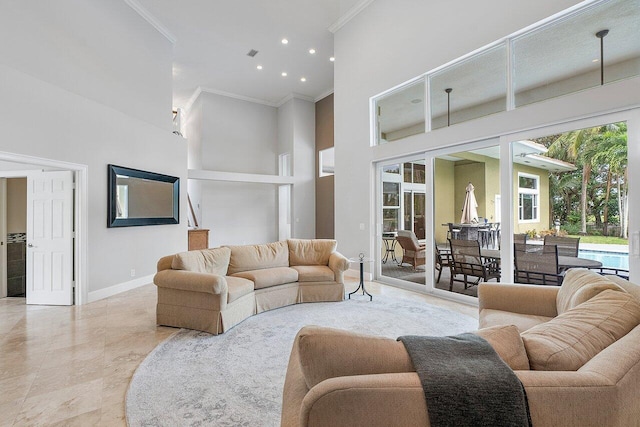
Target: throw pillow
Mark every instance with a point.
(310, 251)
(507, 342)
(213, 261)
(574, 281)
(568, 341)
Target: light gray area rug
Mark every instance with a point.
(236, 379)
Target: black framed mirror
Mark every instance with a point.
(137, 197)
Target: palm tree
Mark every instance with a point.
(612, 153)
(579, 147)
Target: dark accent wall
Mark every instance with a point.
(324, 185)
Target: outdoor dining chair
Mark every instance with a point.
(567, 246)
(412, 251)
(443, 260)
(537, 264)
(520, 238)
(467, 262)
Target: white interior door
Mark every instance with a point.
(50, 238)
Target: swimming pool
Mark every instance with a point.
(608, 259)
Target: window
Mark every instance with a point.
(327, 162)
(390, 206)
(528, 195)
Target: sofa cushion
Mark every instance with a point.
(492, 317)
(314, 273)
(268, 277)
(238, 287)
(628, 286)
(579, 285)
(213, 261)
(568, 341)
(257, 257)
(507, 342)
(310, 251)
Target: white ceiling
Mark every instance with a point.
(213, 37)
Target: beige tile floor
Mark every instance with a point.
(71, 366)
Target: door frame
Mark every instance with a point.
(80, 220)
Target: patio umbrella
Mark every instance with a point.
(470, 207)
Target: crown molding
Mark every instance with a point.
(192, 99)
(200, 89)
(323, 95)
(148, 16)
(294, 96)
(351, 13)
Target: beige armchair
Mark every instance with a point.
(412, 251)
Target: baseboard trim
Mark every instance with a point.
(119, 288)
(356, 273)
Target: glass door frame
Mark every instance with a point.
(430, 209)
(630, 115)
(632, 118)
(378, 244)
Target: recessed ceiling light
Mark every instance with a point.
(312, 51)
(259, 67)
(303, 79)
(332, 59)
(285, 41)
(284, 74)
(595, 60)
(416, 101)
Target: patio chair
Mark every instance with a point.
(537, 264)
(467, 262)
(567, 246)
(454, 232)
(520, 238)
(443, 260)
(412, 251)
(484, 234)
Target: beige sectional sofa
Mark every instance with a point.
(214, 289)
(575, 348)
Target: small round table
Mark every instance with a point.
(361, 259)
(390, 242)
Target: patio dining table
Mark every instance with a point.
(564, 262)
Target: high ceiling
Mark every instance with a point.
(213, 37)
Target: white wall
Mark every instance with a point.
(296, 135)
(238, 136)
(395, 40)
(99, 49)
(304, 169)
(230, 135)
(90, 83)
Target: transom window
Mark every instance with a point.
(528, 197)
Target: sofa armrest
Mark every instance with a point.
(538, 300)
(191, 281)
(338, 263)
(327, 353)
(366, 400)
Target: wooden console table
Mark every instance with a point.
(198, 238)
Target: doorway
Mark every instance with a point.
(15, 230)
(14, 166)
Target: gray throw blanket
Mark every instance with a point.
(466, 383)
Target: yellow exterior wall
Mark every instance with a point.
(543, 202)
(444, 198)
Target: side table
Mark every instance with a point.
(361, 259)
(389, 240)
